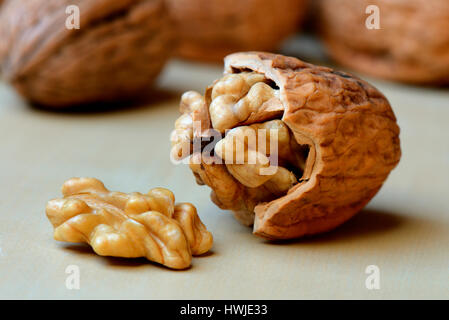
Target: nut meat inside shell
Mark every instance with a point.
(337, 135)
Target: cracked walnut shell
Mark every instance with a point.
(116, 54)
(336, 134)
(412, 44)
(211, 29)
(129, 225)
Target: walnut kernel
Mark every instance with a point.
(129, 225)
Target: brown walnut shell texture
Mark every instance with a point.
(211, 29)
(117, 53)
(412, 44)
(353, 138)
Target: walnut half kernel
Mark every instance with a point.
(336, 142)
(129, 225)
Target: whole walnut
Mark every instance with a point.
(411, 44)
(211, 29)
(336, 135)
(119, 49)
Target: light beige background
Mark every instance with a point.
(404, 230)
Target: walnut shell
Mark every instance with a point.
(117, 53)
(211, 29)
(412, 44)
(353, 140)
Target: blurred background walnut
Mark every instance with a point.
(117, 53)
(411, 45)
(211, 29)
(129, 225)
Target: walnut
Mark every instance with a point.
(412, 44)
(129, 225)
(194, 109)
(117, 53)
(336, 135)
(278, 181)
(210, 29)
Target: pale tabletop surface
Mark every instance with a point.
(404, 230)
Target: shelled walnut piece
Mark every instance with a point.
(129, 225)
(337, 136)
(116, 54)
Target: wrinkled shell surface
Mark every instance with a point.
(117, 53)
(129, 225)
(411, 46)
(211, 29)
(353, 142)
